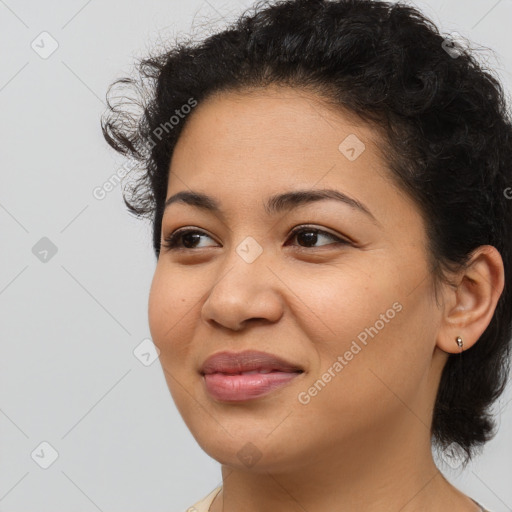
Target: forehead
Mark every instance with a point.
(248, 145)
(278, 131)
(277, 115)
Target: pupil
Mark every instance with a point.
(184, 239)
(306, 238)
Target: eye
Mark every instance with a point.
(309, 235)
(187, 235)
(186, 238)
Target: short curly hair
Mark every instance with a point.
(445, 128)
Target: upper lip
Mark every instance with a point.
(246, 361)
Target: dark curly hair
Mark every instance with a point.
(446, 136)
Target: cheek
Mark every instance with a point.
(170, 305)
(371, 341)
(337, 306)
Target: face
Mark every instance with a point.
(346, 298)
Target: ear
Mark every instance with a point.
(470, 304)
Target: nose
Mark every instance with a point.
(244, 292)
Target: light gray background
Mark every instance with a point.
(68, 375)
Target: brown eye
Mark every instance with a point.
(309, 236)
(187, 239)
(184, 239)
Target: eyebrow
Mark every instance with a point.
(275, 204)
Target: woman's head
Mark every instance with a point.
(362, 98)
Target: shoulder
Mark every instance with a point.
(204, 504)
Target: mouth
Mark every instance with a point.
(235, 377)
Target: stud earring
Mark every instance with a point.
(459, 341)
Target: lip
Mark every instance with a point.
(223, 379)
(248, 360)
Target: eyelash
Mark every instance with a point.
(170, 243)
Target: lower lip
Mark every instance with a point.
(235, 388)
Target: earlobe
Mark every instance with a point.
(473, 302)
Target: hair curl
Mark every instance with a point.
(443, 120)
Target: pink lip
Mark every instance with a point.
(223, 380)
(236, 388)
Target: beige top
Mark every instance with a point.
(204, 504)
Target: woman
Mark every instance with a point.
(319, 370)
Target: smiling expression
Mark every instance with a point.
(289, 245)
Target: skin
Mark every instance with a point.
(363, 442)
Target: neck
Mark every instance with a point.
(392, 471)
